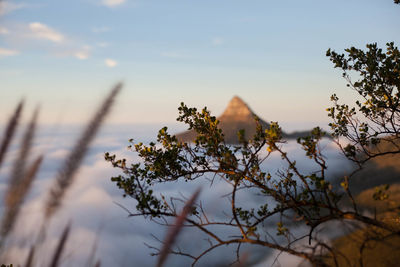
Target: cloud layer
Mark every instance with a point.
(96, 219)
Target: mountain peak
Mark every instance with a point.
(237, 109)
(237, 116)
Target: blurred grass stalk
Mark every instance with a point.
(175, 229)
(21, 180)
(10, 130)
(68, 170)
(22, 177)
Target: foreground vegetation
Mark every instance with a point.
(292, 198)
(23, 173)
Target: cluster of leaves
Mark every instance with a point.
(381, 192)
(239, 166)
(378, 85)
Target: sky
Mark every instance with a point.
(66, 55)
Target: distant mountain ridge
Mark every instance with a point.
(237, 116)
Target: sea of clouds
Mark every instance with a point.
(102, 227)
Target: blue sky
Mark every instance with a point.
(66, 55)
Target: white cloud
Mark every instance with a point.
(4, 30)
(112, 3)
(217, 41)
(42, 31)
(40, 36)
(8, 52)
(7, 7)
(110, 62)
(83, 53)
(37, 35)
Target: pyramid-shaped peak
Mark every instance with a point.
(237, 116)
(237, 101)
(237, 109)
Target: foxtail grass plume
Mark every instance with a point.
(60, 247)
(24, 151)
(29, 259)
(68, 170)
(21, 180)
(16, 195)
(175, 229)
(10, 131)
